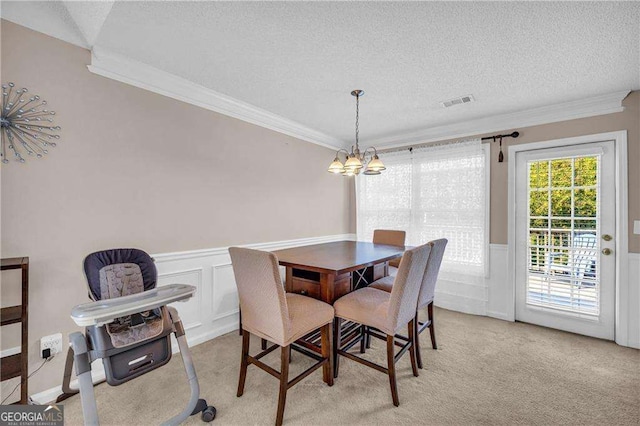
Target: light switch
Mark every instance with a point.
(636, 227)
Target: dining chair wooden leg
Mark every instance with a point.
(284, 383)
(363, 338)
(412, 349)
(243, 363)
(416, 334)
(391, 366)
(368, 340)
(239, 321)
(337, 323)
(432, 330)
(326, 336)
(263, 344)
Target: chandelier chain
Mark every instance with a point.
(357, 118)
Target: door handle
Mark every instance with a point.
(606, 251)
(607, 237)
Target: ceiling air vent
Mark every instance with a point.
(458, 101)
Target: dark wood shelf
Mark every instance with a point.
(10, 366)
(11, 315)
(17, 365)
(13, 263)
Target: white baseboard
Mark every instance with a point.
(499, 315)
(97, 371)
(500, 303)
(50, 395)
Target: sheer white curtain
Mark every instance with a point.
(433, 192)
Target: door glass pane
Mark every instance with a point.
(563, 251)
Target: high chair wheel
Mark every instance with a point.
(209, 414)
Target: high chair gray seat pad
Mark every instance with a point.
(94, 263)
(121, 272)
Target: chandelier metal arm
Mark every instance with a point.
(375, 151)
(342, 150)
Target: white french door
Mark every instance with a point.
(565, 224)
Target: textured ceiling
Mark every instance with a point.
(301, 60)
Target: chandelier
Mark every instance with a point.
(355, 159)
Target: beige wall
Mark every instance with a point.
(134, 168)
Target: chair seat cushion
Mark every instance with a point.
(367, 306)
(385, 283)
(306, 314)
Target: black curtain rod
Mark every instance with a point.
(499, 138)
(514, 134)
(496, 137)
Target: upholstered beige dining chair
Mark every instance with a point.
(282, 318)
(387, 312)
(392, 238)
(427, 293)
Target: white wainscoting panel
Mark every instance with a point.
(461, 297)
(490, 298)
(633, 307)
(213, 311)
(500, 292)
(225, 295)
(191, 310)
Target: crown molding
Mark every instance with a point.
(589, 107)
(146, 77)
(129, 71)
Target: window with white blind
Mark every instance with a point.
(433, 192)
(563, 227)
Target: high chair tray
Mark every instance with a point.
(104, 311)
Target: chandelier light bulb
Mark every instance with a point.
(353, 163)
(336, 167)
(376, 165)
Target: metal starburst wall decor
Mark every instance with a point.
(26, 126)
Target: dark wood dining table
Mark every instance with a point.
(327, 272)
(330, 270)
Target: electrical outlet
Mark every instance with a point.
(53, 342)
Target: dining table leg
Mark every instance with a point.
(288, 279)
(327, 289)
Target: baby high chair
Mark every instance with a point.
(129, 326)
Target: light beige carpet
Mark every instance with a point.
(486, 371)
